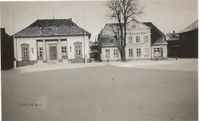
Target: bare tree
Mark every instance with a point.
(123, 11)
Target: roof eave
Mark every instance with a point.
(51, 36)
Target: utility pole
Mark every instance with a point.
(14, 41)
(84, 39)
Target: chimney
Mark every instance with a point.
(41, 30)
(70, 19)
(174, 32)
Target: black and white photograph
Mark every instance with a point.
(103, 60)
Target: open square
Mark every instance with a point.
(102, 93)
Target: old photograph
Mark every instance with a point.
(109, 60)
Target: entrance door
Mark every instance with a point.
(52, 52)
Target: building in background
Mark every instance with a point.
(7, 51)
(51, 40)
(144, 41)
(189, 41)
(94, 51)
(173, 44)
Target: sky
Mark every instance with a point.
(167, 15)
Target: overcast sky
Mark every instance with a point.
(167, 15)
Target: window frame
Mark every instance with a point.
(115, 52)
(78, 49)
(137, 39)
(107, 53)
(138, 51)
(130, 39)
(25, 51)
(146, 38)
(40, 53)
(64, 51)
(130, 52)
(158, 52)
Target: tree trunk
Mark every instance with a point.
(123, 54)
(124, 41)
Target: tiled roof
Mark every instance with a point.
(52, 27)
(107, 35)
(157, 37)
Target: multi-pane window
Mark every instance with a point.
(146, 52)
(130, 39)
(107, 53)
(64, 51)
(145, 38)
(158, 52)
(25, 51)
(40, 53)
(78, 49)
(115, 53)
(138, 52)
(138, 39)
(130, 52)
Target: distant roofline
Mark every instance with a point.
(185, 29)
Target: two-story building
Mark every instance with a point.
(51, 40)
(144, 41)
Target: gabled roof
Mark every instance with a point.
(52, 27)
(157, 37)
(107, 35)
(191, 27)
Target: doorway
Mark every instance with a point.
(52, 52)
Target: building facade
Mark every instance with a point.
(94, 51)
(144, 41)
(51, 40)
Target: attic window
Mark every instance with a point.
(134, 26)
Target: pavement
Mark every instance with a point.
(170, 64)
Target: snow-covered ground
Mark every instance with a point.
(100, 92)
(56, 66)
(170, 64)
